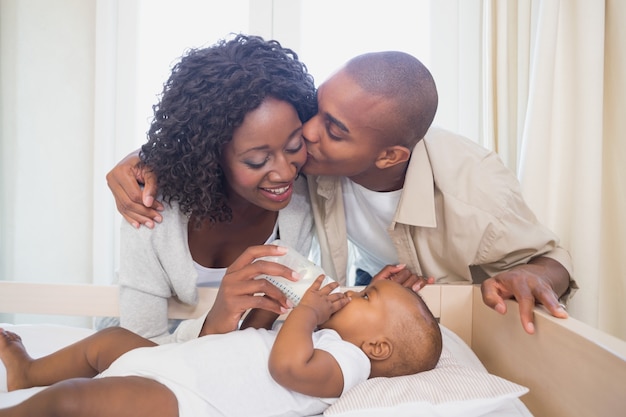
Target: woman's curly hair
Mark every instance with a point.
(207, 96)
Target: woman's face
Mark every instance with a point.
(265, 155)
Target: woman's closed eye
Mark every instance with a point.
(296, 146)
(257, 165)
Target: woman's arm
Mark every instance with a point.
(294, 362)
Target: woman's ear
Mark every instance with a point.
(392, 155)
(378, 349)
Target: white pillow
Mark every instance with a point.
(451, 389)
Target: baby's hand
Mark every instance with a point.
(321, 301)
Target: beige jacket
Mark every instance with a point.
(461, 216)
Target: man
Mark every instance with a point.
(434, 201)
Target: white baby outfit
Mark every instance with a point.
(227, 374)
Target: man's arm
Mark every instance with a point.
(136, 205)
(294, 363)
(542, 280)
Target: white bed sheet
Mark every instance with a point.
(42, 339)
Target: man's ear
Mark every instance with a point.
(378, 349)
(392, 155)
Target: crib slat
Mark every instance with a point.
(83, 300)
(572, 369)
(61, 299)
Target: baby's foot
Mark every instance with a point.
(16, 360)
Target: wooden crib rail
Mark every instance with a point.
(102, 300)
(82, 300)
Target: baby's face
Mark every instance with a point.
(370, 311)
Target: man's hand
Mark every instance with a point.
(403, 276)
(542, 281)
(136, 205)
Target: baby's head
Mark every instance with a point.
(393, 326)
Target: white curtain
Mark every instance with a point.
(552, 99)
(78, 79)
(572, 146)
(46, 128)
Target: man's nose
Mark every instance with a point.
(309, 130)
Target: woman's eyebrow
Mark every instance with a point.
(296, 132)
(256, 148)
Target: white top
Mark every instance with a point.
(369, 214)
(212, 277)
(227, 374)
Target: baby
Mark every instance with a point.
(328, 343)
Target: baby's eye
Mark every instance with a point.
(365, 296)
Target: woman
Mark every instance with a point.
(227, 147)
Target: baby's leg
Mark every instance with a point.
(130, 396)
(85, 358)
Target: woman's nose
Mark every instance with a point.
(284, 170)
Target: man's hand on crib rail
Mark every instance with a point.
(239, 290)
(542, 280)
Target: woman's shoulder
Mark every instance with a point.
(174, 223)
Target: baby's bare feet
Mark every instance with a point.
(15, 358)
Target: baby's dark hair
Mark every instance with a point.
(206, 97)
(417, 340)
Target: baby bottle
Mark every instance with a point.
(309, 271)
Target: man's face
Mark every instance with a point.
(344, 137)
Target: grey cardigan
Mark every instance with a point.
(155, 265)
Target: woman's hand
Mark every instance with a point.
(240, 291)
(136, 205)
(403, 276)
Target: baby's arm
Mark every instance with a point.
(294, 362)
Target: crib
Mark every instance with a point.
(570, 368)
